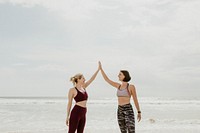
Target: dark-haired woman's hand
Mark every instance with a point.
(139, 117)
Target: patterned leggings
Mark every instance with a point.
(126, 118)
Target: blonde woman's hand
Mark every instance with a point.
(67, 121)
(100, 67)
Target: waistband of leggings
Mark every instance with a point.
(77, 106)
(125, 105)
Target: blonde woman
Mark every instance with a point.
(76, 117)
(125, 91)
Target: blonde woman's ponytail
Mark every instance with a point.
(75, 78)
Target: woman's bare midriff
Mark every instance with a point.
(82, 103)
(123, 100)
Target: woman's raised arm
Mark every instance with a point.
(112, 83)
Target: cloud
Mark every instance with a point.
(157, 41)
(19, 64)
(50, 68)
(70, 9)
(7, 72)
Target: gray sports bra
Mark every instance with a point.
(123, 92)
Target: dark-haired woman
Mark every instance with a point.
(77, 117)
(125, 91)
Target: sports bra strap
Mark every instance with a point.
(126, 86)
(119, 86)
(128, 89)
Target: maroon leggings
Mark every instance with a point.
(77, 119)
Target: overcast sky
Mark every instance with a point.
(45, 42)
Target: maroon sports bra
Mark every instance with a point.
(81, 96)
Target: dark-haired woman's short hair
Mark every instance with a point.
(127, 75)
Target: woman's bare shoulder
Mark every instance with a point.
(72, 90)
(131, 86)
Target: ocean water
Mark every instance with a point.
(47, 115)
